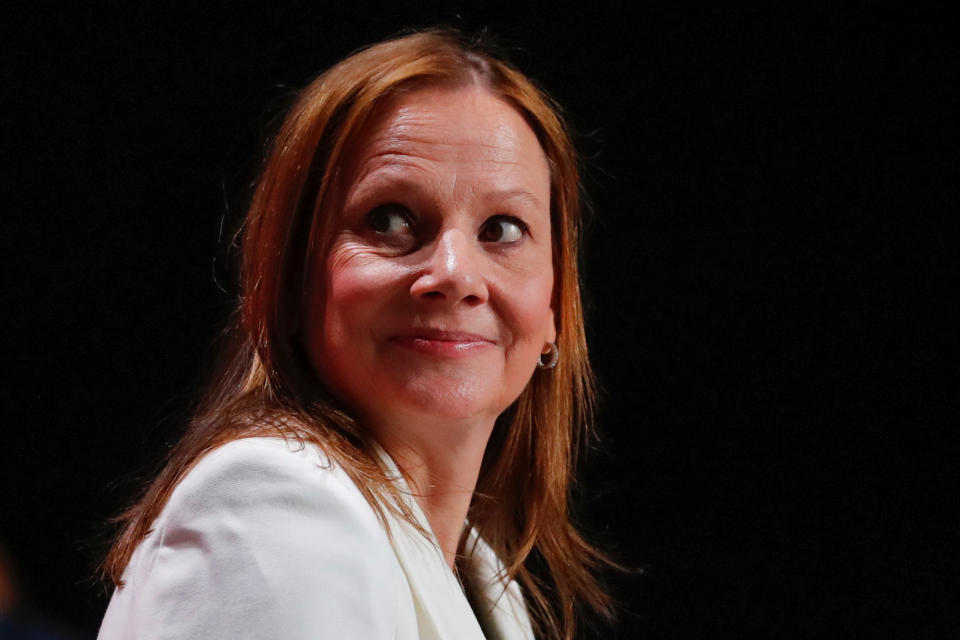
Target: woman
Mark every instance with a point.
(389, 444)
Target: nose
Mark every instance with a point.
(452, 272)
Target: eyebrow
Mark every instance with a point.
(378, 178)
(520, 194)
(375, 180)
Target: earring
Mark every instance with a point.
(553, 357)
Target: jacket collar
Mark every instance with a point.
(442, 607)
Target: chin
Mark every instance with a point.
(461, 400)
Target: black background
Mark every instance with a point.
(770, 278)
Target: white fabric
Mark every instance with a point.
(266, 539)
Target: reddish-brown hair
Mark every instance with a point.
(264, 384)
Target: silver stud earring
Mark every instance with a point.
(553, 357)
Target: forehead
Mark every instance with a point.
(464, 126)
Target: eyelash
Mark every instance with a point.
(409, 221)
(520, 224)
(404, 213)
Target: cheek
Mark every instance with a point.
(529, 318)
(354, 288)
(529, 311)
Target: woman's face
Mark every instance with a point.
(435, 298)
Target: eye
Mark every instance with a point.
(389, 219)
(502, 229)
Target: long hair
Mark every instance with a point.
(263, 383)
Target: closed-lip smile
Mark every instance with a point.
(441, 342)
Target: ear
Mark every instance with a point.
(552, 328)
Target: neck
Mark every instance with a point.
(442, 463)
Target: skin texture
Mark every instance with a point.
(432, 306)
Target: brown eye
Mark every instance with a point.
(502, 229)
(389, 219)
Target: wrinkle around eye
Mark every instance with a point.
(352, 250)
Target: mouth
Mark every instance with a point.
(442, 343)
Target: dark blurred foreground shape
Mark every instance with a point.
(18, 620)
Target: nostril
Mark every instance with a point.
(435, 295)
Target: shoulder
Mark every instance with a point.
(275, 478)
(261, 459)
(268, 536)
(276, 492)
(251, 470)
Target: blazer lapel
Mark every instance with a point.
(499, 607)
(442, 609)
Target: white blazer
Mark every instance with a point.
(267, 539)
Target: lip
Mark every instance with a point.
(442, 342)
